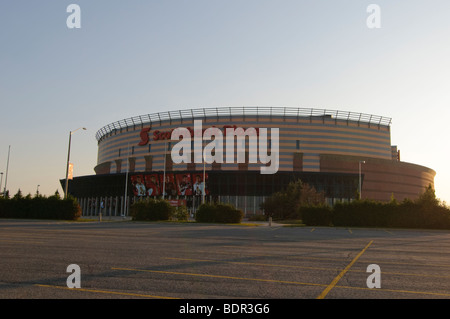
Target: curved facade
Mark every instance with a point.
(302, 138)
(323, 147)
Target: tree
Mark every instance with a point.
(277, 205)
(56, 195)
(309, 196)
(393, 200)
(286, 203)
(428, 197)
(18, 195)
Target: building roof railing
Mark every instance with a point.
(243, 111)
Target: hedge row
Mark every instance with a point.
(40, 208)
(151, 210)
(316, 215)
(364, 213)
(218, 213)
(159, 210)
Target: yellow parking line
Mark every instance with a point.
(220, 276)
(106, 292)
(284, 282)
(296, 266)
(255, 254)
(251, 264)
(343, 272)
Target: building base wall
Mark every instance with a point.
(382, 179)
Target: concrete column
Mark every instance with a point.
(96, 203)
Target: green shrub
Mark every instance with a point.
(206, 213)
(361, 213)
(181, 213)
(407, 214)
(426, 212)
(320, 215)
(410, 214)
(40, 207)
(138, 210)
(151, 210)
(226, 213)
(218, 213)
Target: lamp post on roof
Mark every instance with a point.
(68, 158)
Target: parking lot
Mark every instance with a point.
(125, 259)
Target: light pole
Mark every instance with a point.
(7, 168)
(360, 162)
(164, 174)
(68, 158)
(125, 206)
(37, 191)
(1, 181)
(204, 175)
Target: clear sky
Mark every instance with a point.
(136, 57)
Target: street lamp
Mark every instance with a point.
(1, 181)
(37, 190)
(363, 162)
(7, 168)
(68, 158)
(164, 173)
(125, 206)
(204, 175)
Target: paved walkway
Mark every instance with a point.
(128, 218)
(106, 218)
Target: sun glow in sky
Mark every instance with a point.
(137, 57)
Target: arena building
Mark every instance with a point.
(337, 152)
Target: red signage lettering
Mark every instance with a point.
(166, 135)
(144, 136)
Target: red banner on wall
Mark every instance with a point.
(70, 176)
(184, 184)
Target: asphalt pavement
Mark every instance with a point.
(123, 259)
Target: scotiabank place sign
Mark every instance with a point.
(213, 152)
